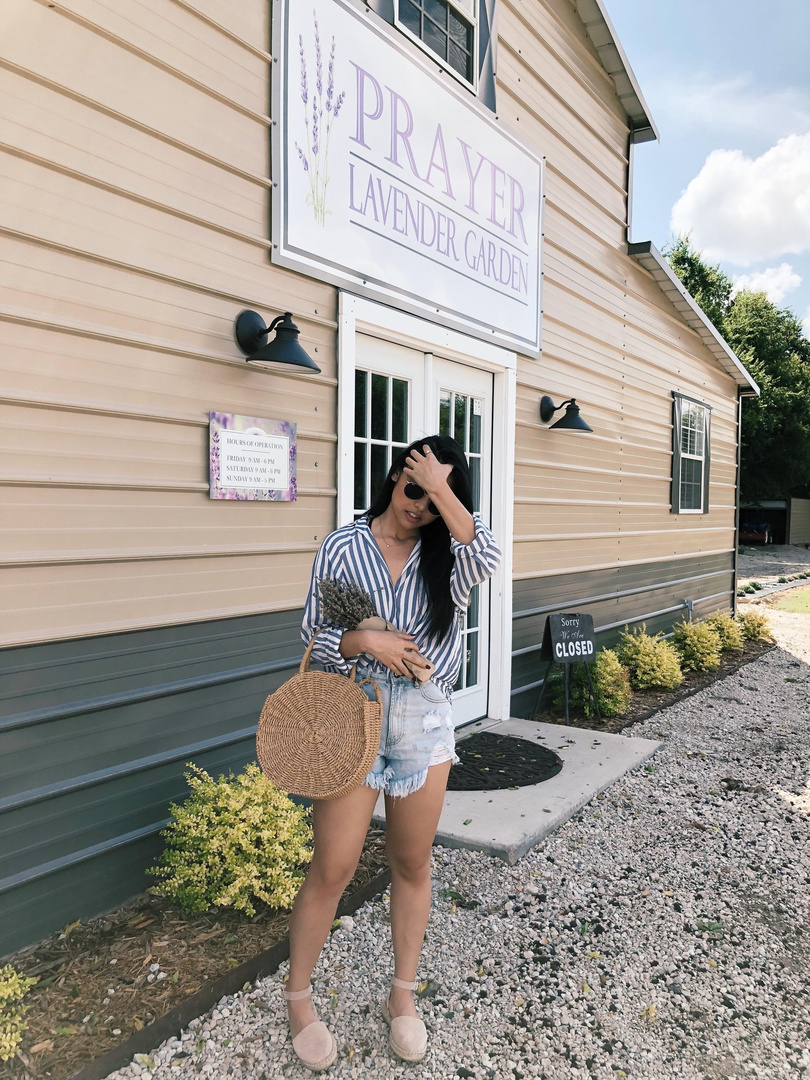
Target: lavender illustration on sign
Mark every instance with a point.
(321, 110)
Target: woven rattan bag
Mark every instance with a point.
(319, 733)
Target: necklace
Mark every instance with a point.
(382, 537)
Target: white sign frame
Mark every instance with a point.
(469, 251)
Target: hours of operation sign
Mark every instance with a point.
(252, 458)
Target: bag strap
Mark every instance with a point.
(376, 688)
(303, 667)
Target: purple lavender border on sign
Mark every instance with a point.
(218, 422)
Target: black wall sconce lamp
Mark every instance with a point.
(572, 421)
(250, 331)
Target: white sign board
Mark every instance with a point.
(254, 461)
(394, 181)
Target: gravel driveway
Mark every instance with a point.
(768, 562)
(661, 933)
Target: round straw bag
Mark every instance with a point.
(319, 734)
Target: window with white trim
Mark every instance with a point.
(691, 427)
(447, 28)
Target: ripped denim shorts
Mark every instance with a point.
(417, 732)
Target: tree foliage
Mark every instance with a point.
(775, 444)
(707, 285)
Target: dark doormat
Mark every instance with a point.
(491, 762)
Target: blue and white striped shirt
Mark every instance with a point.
(351, 555)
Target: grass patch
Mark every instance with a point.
(797, 600)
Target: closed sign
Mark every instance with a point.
(569, 639)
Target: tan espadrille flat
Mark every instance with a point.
(408, 1037)
(315, 1044)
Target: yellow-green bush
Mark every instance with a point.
(754, 625)
(13, 988)
(611, 685)
(698, 646)
(652, 662)
(233, 842)
(731, 639)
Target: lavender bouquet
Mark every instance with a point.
(348, 605)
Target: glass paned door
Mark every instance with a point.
(401, 394)
(464, 397)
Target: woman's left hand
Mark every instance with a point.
(426, 470)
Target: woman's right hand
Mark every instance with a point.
(391, 647)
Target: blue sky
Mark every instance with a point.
(728, 84)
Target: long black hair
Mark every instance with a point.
(436, 559)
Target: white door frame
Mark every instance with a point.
(358, 315)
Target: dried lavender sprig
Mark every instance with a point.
(344, 603)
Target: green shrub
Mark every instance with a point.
(698, 646)
(234, 841)
(13, 988)
(754, 625)
(731, 639)
(652, 662)
(755, 586)
(782, 580)
(611, 684)
(749, 589)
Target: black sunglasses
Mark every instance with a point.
(413, 491)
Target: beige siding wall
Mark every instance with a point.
(610, 338)
(135, 225)
(799, 521)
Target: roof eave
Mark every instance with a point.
(670, 284)
(602, 34)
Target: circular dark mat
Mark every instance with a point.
(490, 762)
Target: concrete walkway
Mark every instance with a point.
(509, 823)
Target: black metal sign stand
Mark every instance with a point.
(568, 639)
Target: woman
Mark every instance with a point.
(417, 552)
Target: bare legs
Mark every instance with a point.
(340, 827)
(410, 825)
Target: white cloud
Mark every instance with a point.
(745, 210)
(731, 106)
(776, 282)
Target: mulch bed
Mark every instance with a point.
(647, 702)
(152, 955)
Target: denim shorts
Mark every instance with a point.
(417, 732)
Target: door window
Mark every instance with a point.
(381, 411)
(460, 418)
